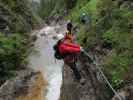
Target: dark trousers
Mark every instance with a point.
(75, 70)
(70, 60)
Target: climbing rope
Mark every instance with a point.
(103, 75)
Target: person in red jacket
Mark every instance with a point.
(67, 47)
(69, 50)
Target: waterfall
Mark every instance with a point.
(44, 61)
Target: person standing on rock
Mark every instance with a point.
(68, 50)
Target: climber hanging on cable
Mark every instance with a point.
(65, 47)
(67, 50)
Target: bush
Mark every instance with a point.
(12, 54)
(115, 26)
(85, 38)
(51, 8)
(70, 3)
(19, 15)
(117, 66)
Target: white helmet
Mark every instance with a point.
(60, 36)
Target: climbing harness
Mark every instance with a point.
(103, 75)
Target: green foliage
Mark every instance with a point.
(14, 47)
(119, 35)
(51, 8)
(88, 7)
(20, 15)
(112, 24)
(86, 35)
(85, 38)
(12, 54)
(116, 65)
(70, 4)
(46, 7)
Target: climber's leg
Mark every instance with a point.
(75, 71)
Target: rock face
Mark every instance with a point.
(125, 93)
(88, 88)
(27, 86)
(16, 16)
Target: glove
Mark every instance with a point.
(81, 49)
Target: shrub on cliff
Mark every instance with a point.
(55, 7)
(16, 19)
(20, 15)
(12, 54)
(116, 29)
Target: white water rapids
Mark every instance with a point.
(44, 60)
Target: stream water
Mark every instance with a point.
(45, 62)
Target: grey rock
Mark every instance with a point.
(17, 86)
(88, 88)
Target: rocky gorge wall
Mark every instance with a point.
(88, 88)
(16, 16)
(26, 86)
(23, 83)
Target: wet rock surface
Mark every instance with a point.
(125, 93)
(88, 88)
(28, 85)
